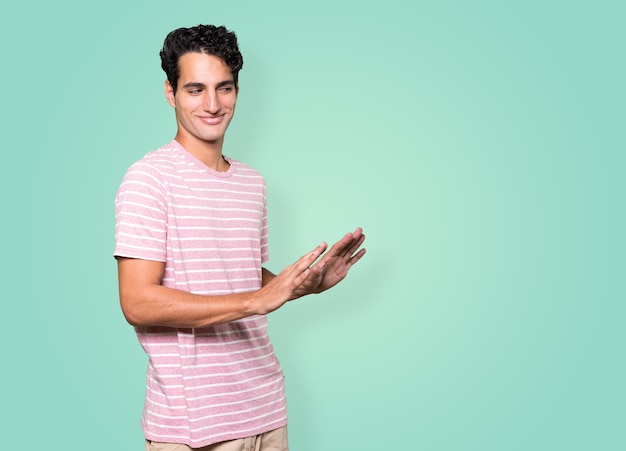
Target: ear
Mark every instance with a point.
(169, 94)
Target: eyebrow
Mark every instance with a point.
(199, 85)
(194, 85)
(226, 83)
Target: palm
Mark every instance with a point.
(336, 263)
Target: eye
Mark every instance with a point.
(226, 89)
(194, 92)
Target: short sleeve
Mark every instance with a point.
(264, 230)
(141, 214)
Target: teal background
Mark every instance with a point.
(479, 144)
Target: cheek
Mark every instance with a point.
(189, 105)
(232, 102)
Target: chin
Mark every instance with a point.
(212, 138)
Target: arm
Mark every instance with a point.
(146, 302)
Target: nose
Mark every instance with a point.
(212, 102)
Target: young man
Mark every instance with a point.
(191, 239)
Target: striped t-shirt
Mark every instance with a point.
(216, 383)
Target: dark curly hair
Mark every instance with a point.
(207, 39)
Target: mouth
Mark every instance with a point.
(211, 120)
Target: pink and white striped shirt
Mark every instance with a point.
(209, 384)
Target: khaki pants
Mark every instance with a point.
(275, 440)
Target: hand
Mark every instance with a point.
(289, 283)
(303, 277)
(333, 267)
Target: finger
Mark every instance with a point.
(355, 258)
(350, 246)
(343, 249)
(341, 245)
(307, 259)
(355, 246)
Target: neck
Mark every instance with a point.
(210, 153)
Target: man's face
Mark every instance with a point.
(204, 101)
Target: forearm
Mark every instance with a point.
(156, 305)
(146, 302)
(163, 306)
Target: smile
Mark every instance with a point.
(212, 120)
